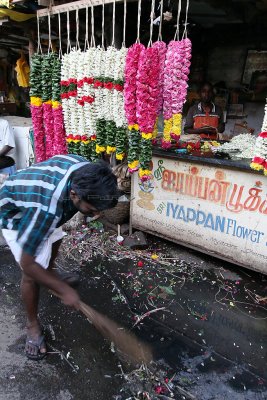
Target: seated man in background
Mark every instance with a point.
(204, 119)
(7, 145)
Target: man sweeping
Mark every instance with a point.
(34, 204)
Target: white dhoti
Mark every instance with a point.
(43, 258)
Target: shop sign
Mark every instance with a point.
(213, 209)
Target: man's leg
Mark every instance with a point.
(30, 291)
(30, 296)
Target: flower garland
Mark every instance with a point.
(36, 107)
(147, 96)
(131, 68)
(118, 104)
(48, 120)
(69, 100)
(99, 77)
(175, 88)
(182, 57)
(162, 49)
(59, 130)
(108, 89)
(259, 161)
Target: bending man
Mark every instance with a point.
(34, 204)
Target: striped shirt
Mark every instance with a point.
(35, 200)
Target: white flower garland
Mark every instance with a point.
(110, 57)
(74, 121)
(259, 161)
(264, 123)
(89, 91)
(98, 72)
(65, 102)
(80, 93)
(118, 97)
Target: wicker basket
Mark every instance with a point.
(118, 214)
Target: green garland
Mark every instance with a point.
(120, 142)
(145, 154)
(47, 77)
(100, 135)
(134, 139)
(56, 70)
(111, 136)
(35, 75)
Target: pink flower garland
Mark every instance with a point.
(147, 103)
(162, 49)
(39, 133)
(131, 69)
(147, 90)
(60, 145)
(49, 129)
(175, 88)
(130, 73)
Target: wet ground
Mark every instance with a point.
(207, 330)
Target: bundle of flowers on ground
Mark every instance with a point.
(259, 161)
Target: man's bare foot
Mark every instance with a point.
(35, 347)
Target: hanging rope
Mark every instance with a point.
(92, 27)
(39, 47)
(49, 34)
(160, 22)
(68, 32)
(77, 30)
(124, 23)
(138, 21)
(86, 41)
(59, 36)
(151, 22)
(177, 33)
(113, 23)
(103, 24)
(185, 24)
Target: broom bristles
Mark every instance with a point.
(135, 350)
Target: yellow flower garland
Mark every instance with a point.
(133, 164)
(133, 127)
(36, 101)
(146, 136)
(120, 156)
(110, 149)
(100, 149)
(177, 124)
(143, 172)
(167, 129)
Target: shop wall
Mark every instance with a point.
(226, 64)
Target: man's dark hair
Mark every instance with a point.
(96, 184)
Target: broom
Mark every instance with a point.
(125, 341)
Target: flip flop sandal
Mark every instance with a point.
(69, 277)
(38, 345)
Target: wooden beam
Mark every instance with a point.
(75, 5)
